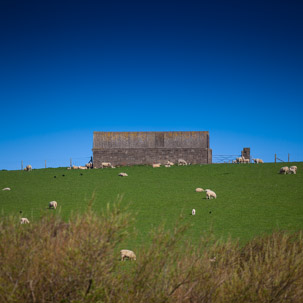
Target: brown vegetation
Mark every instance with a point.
(78, 261)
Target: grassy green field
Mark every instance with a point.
(251, 199)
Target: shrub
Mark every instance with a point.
(78, 261)
(54, 261)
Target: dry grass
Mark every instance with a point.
(78, 261)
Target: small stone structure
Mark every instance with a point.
(133, 148)
(246, 153)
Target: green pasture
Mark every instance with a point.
(252, 199)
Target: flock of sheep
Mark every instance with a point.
(180, 162)
(108, 164)
(129, 254)
(244, 160)
(52, 204)
(241, 160)
(90, 165)
(87, 166)
(209, 195)
(124, 253)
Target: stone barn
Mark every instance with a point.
(133, 148)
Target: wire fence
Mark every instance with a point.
(276, 158)
(47, 163)
(81, 161)
(224, 158)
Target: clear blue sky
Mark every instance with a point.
(68, 68)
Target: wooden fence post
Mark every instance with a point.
(45, 163)
(21, 164)
(275, 158)
(70, 163)
(288, 158)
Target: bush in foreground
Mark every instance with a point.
(78, 261)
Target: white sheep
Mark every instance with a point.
(24, 221)
(210, 194)
(156, 165)
(75, 167)
(257, 160)
(28, 168)
(182, 162)
(52, 204)
(6, 188)
(199, 190)
(123, 175)
(284, 170)
(82, 167)
(106, 164)
(240, 159)
(169, 163)
(193, 212)
(89, 165)
(246, 160)
(127, 254)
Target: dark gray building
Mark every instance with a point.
(131, 148)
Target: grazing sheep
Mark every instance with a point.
(123, 175)
(258, 160)
(28, 168)
(24, 221)
(240, 159)
(284, 170)
(106, 164)
(199, 190)
(82, 167)
(127, 254)
(6, 188)
(169, 163)
(193, 212)
(52, 204)
(234, 161)
(210, 194)
(89, 165)
(182, 162)
(156, 165)
(75, 167)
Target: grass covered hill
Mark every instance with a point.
(252, 199)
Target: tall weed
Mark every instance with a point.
(78, 261)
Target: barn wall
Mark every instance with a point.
(129, 148)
